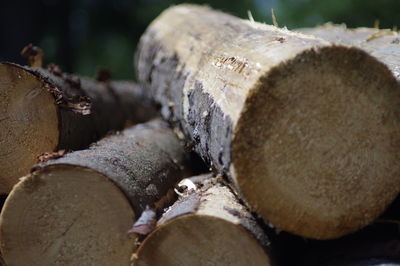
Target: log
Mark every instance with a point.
(380, 43)
(302, 127)
(77, 209)
(46, 110)
(206, 226)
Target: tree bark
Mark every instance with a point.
(380, 43)
(76, 210)
(47, 110)
(206, 226)
(303, 128)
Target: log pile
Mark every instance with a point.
(301, 133)
(46, 110)
(77, 209)
(303, 128)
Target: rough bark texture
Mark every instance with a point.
(206, 226)
(68, 212)
(304, 128)
(145, 161)
(384, 44)
(47, 110)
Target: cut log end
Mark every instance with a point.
(39, 227)
(201, 240)
(320, 146)
(307, 129)
(207, 226)
(29, 123)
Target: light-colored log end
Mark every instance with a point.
(316, 148)
(28, 123)
(200, 240)
(66, 215)
(207, 227)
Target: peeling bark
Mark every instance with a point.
(302, 127)
(46, 110)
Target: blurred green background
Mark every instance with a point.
(83, 36)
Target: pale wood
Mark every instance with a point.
(77, 210)
(44, 111)
(384, 44)
(205, 227)
(305, 129)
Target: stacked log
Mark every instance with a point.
(381, 43)
(46, 110)
(206, 226)
(77, 209)
(304, 129)
(301, 131)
